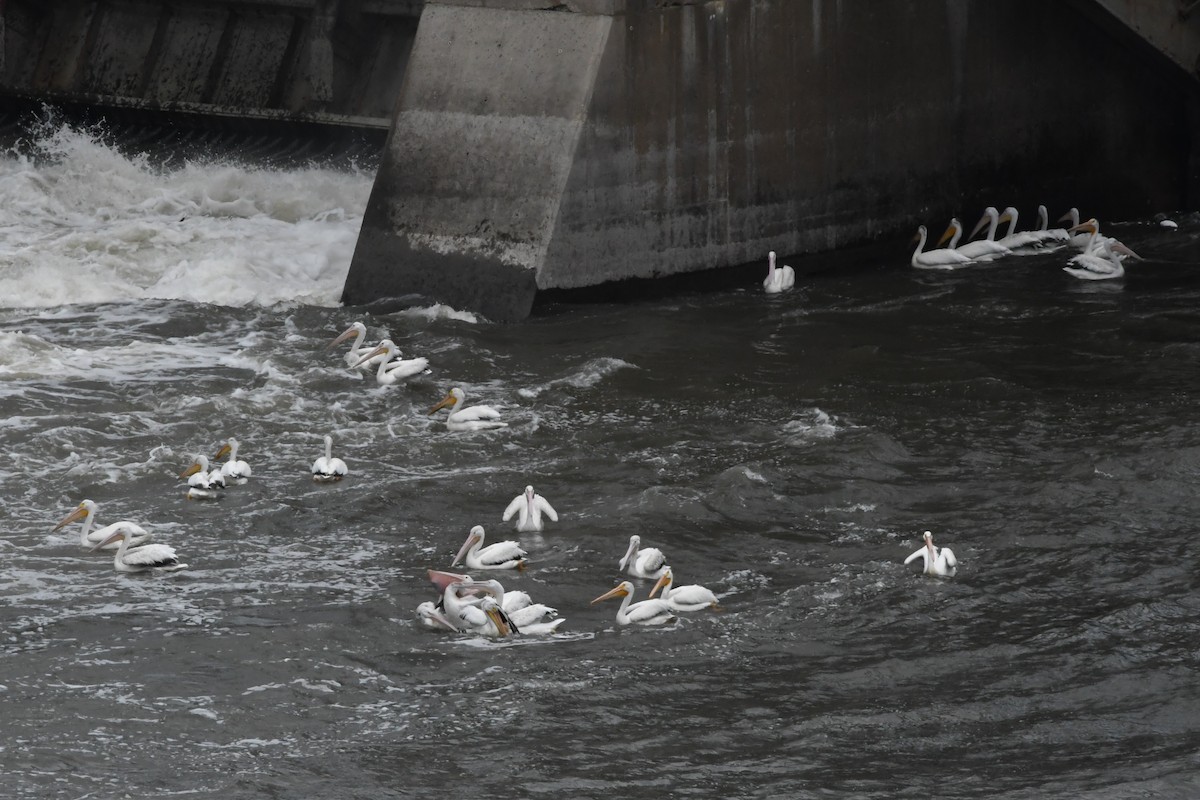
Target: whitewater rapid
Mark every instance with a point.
(84, 222)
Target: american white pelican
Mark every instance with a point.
(202, 482)
(354, 357)
(484, 617)
(431, 617)
(936, 562)
(779, 279)
(529, 617)
(1050, 234)
(501, 555)
(648, 612)
(935, 259)
(391, 372)
(529, 508)
(473, 418)
(327, 468)
(1080, 240)
(1168, 223)
(987, 247)
(90, 538)
(1101, 256)
(642, 562)
(982, 250)
(1014, 240)
(1093, 267)
(140, 559)
(692, 597)
(234, 469)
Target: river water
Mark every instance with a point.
(785, 451)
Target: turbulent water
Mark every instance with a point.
(785, 451)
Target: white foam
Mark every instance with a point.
(88, 224)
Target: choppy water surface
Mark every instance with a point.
(787, 452)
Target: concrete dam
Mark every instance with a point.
(534, 146)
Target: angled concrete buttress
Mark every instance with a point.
(559, 144)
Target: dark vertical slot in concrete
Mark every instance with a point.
(150, 65)
(290, 70)
(213, 82)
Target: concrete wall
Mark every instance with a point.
(536, 150)
(337, 61)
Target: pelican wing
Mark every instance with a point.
(947, 555)
(920, 553)
(151, 555)
(500, 552)
(649, 612)
(692, 595)
(475, 413)
(513, 507)
(546, 508)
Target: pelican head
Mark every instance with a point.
(929, 540)
(920, 235)
(635, 542)
(990, 213)
(200, 465)
(442, 579)
(357, 329)
(386, 347)
(663, 582)
(230, 446)
(496, 615)
(113, 537)
(455, 397)
(771, 259)
(1009, 214)
(473, 538)
(622, 589)
(954, 226)
(81, 512)
(1091, 226)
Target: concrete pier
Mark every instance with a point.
(614, 139)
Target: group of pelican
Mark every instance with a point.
(205, 483)
(649, 562)
(1099, 257)
(391, 368)
(134, 550)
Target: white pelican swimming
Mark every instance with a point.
(234, 470)
(529, 508)
(989, 248)
(1050, 234)
(90, 538)
(642, 562)
(982, 250)
(501, 555)
(1080, 240)
(202, 482)
(936, 562)
(1017, 240)
(484, 617)
(327, 468)
(472, 418)
(779, 279)
(1101, 256)
(1090, 266)
(692, 597)
(935, 259)
(392, 371)
(431, 617)
(527, 616)
(139, 559)
(357, 350)
(648, 612)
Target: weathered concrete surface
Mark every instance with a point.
(1173, 32)
(335, 61)
(537, 149)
